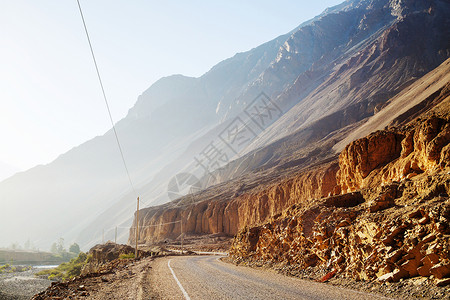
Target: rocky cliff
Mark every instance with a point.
(417, 150)
(390, 237)
(231, 212)
(100, 255)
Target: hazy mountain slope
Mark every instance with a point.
(355, 85)
(7, 170)
(407, 104)
(89, 178)
(272, 72)
(415, 43)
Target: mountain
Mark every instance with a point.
(7, 170)
(322, 80)
(255, 198)
(90, 178)
(379, 51)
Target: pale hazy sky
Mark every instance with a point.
(50, 100)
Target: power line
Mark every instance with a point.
(104, 97)
(153, 225)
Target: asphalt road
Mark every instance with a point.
(206, 277)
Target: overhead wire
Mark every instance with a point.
(112, 121)
(105, 98)
(153, 225)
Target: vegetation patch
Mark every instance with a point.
(126, 256)
(66, 271)
(11, 269)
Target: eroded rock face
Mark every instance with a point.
(377, 160)
(363, 156)
(398, 242)
(230, 215)
(422, 147)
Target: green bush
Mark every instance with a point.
(67, 270)
(4, 268)
(54, 277)
(126, 255)
(10, 269)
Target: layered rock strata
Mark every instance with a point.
(228, 216)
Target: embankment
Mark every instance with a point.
(29, 257)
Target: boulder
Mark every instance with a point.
(395, 275)
(440, 270)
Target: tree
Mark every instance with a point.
(54, 248)
(28, 245)
(60, 246)
(74, 248)
(15, 246)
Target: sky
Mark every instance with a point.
(50, 99)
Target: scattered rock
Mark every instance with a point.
(443, 282)
(440, 270)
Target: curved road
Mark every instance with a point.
(206, 277)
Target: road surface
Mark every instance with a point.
(206, 277)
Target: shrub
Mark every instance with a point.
(9, 269)
(54, 277)
(67, 270)
(126, 255)
(4, 268)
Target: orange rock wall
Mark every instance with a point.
(356, 242)
(230, 215)
(423, 147)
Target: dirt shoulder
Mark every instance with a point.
(411, 288)
(119, 279)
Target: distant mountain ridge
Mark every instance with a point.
(7, 170)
